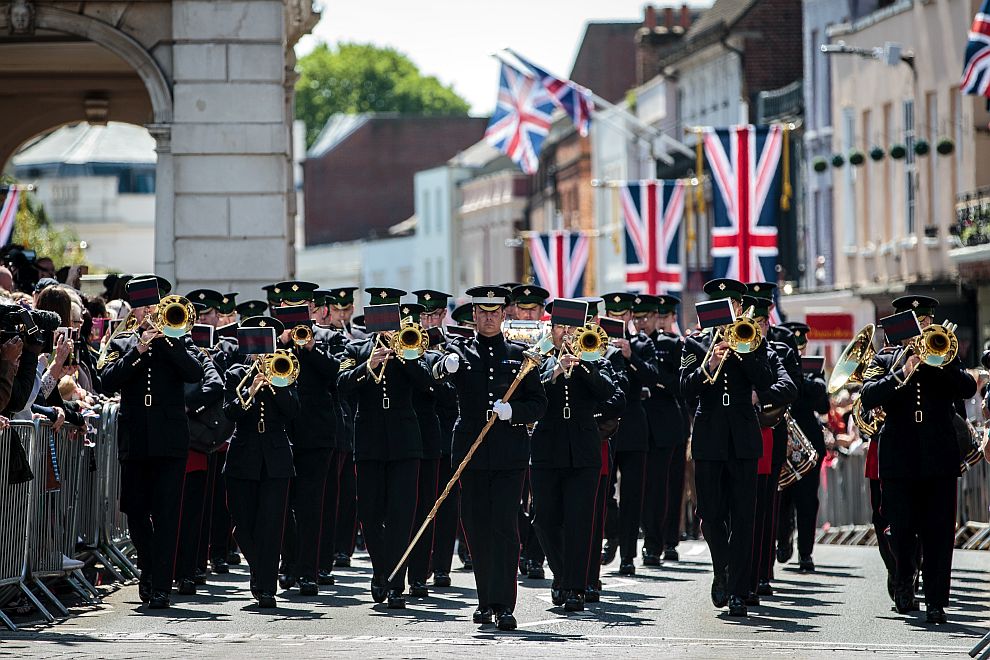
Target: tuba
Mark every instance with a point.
(742, 335)
(174, 316)
(849, 368)
(280, 369)
(801, 455)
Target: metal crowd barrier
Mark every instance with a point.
(69, 510)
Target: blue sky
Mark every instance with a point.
(453, 39)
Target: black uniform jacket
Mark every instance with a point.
(812, 398)
(725, 423)
(152, 420)
(260, 444)
(917, 440)
(385, 424)
(781, 394)
(641, 372)
(343, 437)
(447, 404)
(488, 367)
(426, 404)
(664, 407)
(208, 391)
(316, 425)
(225, 355)
(567, 435)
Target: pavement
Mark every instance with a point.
(841, 609)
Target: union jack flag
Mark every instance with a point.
(521, 120)
(567, 95)
(653, 211)
(8, 213)
(976, 65)
(559, 260)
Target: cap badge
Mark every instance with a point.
(226, 300)
(756, 287)
(295, 287)
(914, 303)
(342, 294)
(721, 287)
(263, 324)
(491, 294)
(427, 296)
(638, 300)
(526, 292)
(383, 294)
(277, 290)
(617, 299)
(202, 296)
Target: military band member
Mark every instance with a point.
(919, 460)
(667, 423)
(510, 305)
(463, 315)
(637, 359)
(482, 370)
(566, 462)
(258, 467)
(150, 370)
(387, 450)
(312, 434)
(726, 445)
(227, 309)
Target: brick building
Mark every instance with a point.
(358, 175)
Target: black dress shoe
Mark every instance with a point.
(935, 615)
(159, 601)
(219, 566)
(574, 601)
(806, 565)
(379, 589)
(536, 571)
(671, 554)
(482, 615)
(395, 600)
(144, 589)
(764, 588)
(523, 566)
(199, 577)
(753, 599)
(737, 606)
(324, 578)
(627, 568)
(307, 587)
(505, 621)
(186, 587)
(720, 594)
(650, 558)
(418, 589)
(342, 560)
(286, 581)
(233, 558)
(608, 554)
(254, 589)
(905, 602)
(890, 585)
(557, 595)
(592, 595)
(266, 600)
(441, 579)
(785, 552)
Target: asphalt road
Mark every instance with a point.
(661, 612)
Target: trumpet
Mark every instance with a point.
(936, 346)
(280, 369)
(301, 335)
(106, 355)
(174, 316)
(742, 335)
(588, 342)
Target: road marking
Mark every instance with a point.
(696, 550)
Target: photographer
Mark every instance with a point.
(32, 329)
(48, 402)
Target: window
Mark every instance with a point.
(910, 168)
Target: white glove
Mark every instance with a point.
(503, 410)
(451, 363)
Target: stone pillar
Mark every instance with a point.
(231, 151)
(164, 202)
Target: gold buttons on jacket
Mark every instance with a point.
(147, 396)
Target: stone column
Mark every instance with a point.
(230, 144)
(164, 202)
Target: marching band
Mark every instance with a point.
(286, 431)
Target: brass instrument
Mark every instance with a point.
(742, 335)
(129, 323)
(410, 342)
(849, 368)
(301, 335)
(280, 369)
(588, 342)
(970, 447)
(801, 455)
(174, 316)
(535, 334)
(936, 346)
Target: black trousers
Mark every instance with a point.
(632, 466)
(532, 549)
(490, 508)
(880, 525)
(386, 505)
(565, 498)
(446, 522)
(328, 531)
(151, 497)
(675, 498)
(258, 509)
(346, 505)
(656, 490)
(804, 495)
(764, 527)
(190, 524)
(922, 510)
(726, 506)
(301, 545)
(598, 531)
(426, 497)
(220, 523)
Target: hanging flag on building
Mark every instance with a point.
(559, 261)
(976, 64)
(522, 118)
(8, 213)
(567, 95)
(652, 211)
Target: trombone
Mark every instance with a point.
(301, 335)
(174, 316)
(409, 342)
(129, 323)
(280, 369)
(936, 346)
(588, 342)
(742, 335)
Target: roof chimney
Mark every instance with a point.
(668, 17)
(650, 19)
(685, 17)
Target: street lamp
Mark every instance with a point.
(891, 53)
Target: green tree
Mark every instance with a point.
(34, 231)
(354, 78)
